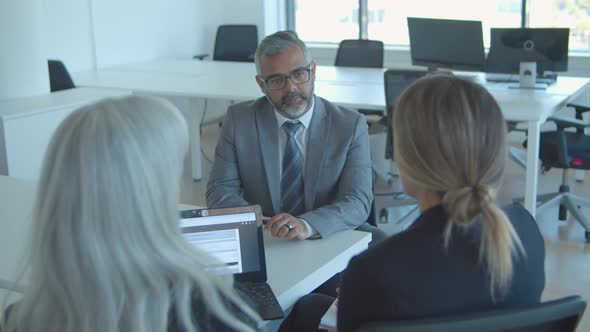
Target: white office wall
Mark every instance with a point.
(23, 72)
(242, 12)
(67, 32)
(275, 16)
(136, 30)
(268, 15)
(99, 33)
(102, 33)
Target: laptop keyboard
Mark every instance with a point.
(262, 296)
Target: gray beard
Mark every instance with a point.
(292, 115)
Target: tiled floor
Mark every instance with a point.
(567, 264)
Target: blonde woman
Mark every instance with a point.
(464, 253)
(107, 253)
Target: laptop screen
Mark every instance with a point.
(230, 235)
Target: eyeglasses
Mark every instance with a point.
(298, 76)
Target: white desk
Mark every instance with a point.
(16, 207)
(294, 268)
(26, 125)
(233, 81)
(349, 87)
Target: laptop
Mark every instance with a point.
(234, 236)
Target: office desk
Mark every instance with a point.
(294, 268)
(349, 87)
(27, 124)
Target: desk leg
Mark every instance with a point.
(195, 138)
(189, 107)
(532, 168)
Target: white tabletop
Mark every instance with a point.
(56, 101)
(243, 70)
(294, 268)
(345, 86)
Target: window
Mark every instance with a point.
(326, 21)
(573, 14)
(334, 20)
(387, 18)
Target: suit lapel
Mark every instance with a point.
(319, 129)
(266, 126)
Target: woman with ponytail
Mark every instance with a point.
(464, 253)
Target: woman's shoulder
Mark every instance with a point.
(392, 251)
(524, 223)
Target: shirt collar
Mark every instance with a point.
(305, 119)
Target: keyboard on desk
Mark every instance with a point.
(260, 295)
(504, 78)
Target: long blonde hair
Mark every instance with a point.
(450, 138)
(107, 253)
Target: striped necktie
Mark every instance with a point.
(292, 177)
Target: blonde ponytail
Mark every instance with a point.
(500, 244)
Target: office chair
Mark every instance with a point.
(234, 43)
(395, 82)
(562, 315)
(361, 53)
(59, 78)
(566, 150)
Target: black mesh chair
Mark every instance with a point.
(360, 53)
(59, 78)
(395, 82)
(561, 315)
(234, 43)
(566, 150)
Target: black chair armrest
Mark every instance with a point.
(513, 126)
(563, 123)
(580, 109)
(201, 56)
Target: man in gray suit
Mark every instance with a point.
(305, 160)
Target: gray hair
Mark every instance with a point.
(107, 253)
(277, 43)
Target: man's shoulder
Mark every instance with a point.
(249, 105)
(343, 118)
(339, 113)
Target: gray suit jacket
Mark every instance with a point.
(337, 181)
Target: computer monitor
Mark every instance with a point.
(548, 47)
(453, 44)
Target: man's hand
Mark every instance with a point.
(285, 226)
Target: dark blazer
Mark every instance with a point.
(337, 179)
(411, 275)
(202, 318)
(205, 321)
